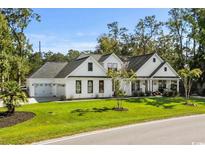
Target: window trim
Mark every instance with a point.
(101, 89)
(90, 66)
(80, 86)
(111, 66)
(88, 86)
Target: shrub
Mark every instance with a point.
(148, 93)
(136, 94)
(203, 92)
(170, 93)
(141, 94)
(62, 98)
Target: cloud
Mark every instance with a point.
(59, 44)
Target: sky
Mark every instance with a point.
(78, 29)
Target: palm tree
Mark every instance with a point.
(187, 75)
(12, 95)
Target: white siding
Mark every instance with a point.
(149, 66)
(82, 70)
(112, 59)
(161, 71)
(71, 89)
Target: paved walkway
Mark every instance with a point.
(183, 130)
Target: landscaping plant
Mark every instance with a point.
(12, 95)
(187, 75)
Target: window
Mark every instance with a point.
(173, 85)
(165, 69)
(90, 86)
(112, 66)
(162, 85)
(78, 86)
(101, 86)
(90, 66)
(136, 86)
(154, 60)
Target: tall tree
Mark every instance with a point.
(146, 31)
(179, 32)
(54, 57)
(72, 54)
(117, 40)
(6, 48)
(107, 45)
(18, 20)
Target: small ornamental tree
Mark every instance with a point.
(117, 76)
(12, 95)
(187, 75)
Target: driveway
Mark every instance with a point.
(184, 130)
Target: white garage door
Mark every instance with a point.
(43, 90)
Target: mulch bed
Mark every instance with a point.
(15, 118)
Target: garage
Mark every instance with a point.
(43, 90)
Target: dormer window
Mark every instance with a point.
(165, 69)
(112, 66)
(90, 66)
(154, 60)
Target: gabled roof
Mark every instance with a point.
(136, 62)
(70, 67)
(63, 69)
(49, 70)
(157, 69)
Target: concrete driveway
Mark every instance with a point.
(184, 130)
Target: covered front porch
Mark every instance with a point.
(155, 84)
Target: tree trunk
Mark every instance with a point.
(11, 109)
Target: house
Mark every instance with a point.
(86, 76)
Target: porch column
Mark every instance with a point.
(151, 86)
(177, 86)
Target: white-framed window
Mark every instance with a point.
(165, 69)
(101, 86)
(112, 66)
(90, 86)
(78, 86)
(154, 60)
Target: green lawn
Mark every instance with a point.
(59, 119)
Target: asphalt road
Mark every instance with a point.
(184, 131)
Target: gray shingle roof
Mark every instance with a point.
(62, 69)
(136, 62)
(49, 70)
(71, 66)
(97, 57)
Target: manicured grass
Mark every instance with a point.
(59, 119)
